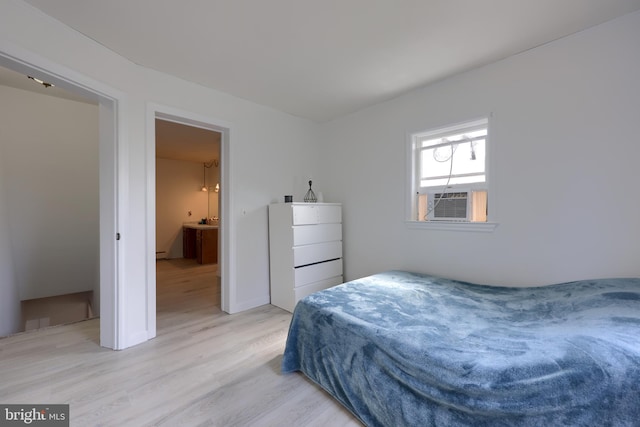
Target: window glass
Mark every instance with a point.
(459, 159)
(448, 161)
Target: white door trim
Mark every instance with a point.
(112, 161)
(227, 224)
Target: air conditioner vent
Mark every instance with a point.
(452, 206)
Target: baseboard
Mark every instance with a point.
(248, 305)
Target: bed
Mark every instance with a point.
(401, 348)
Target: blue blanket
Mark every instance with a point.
(400, 348)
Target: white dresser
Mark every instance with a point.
(305, 250)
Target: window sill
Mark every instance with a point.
(477, 227)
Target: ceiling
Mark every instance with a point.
(173, 140)
(181, 142)
(20, 81)
(324, 59)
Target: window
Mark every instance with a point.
(449, 174)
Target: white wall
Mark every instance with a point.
(9, 295)
(50, 168)
(178, 185)
(272, 154)
(565, 149)
(550, 104)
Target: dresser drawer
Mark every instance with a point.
(316, 214)
(309, 254)
(317, 272)
(305, 290)
(310, 234)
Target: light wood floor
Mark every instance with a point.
(204, 368)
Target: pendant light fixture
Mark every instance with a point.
(204, 178)
(205, 166)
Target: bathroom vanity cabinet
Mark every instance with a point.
(200, 241)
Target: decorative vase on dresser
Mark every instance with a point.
(305, 250)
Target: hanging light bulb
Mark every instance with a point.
(204, 181)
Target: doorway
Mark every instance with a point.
(187, 172)
(225, 222)
(106, 299)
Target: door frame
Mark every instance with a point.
(112, 200)
(226, 224)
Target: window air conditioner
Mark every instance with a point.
(450, 206)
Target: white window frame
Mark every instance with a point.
(413, 179)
